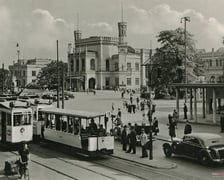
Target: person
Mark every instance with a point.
(132, 141)
(155, 126)
(143, 140)
(138, 102)
(124, 138)
(112, 107)
(175, 116)
(101, 131)
(185, 111)
(172, 131)
(24, 158)
(187, 128)
(93, 127)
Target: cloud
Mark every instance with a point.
(44, 30)
(5, 24)
(208, 31)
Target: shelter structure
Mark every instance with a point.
(211, 96)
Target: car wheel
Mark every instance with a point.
(204, 159)
(167, 150)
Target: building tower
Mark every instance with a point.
(77, 33)
(122, 30)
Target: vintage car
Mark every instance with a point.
(207, 148)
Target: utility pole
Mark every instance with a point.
(58, 87)
(3, 78)
(63, 94)
(18, 69)
(186, 18)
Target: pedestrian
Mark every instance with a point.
(134, 108)
(119, 122)
(187, 128)
(185, 111)
(155, 126)
(175, 116)
(138, 102)
(172, 130)
(122, 94)
(112, 107)
(132, 141)
(144, 140)
(24, 158)
(144, 119)
(124, 138)
(169, 119)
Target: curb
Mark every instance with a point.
(171, 166)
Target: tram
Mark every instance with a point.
(75, 129)
(16, 123)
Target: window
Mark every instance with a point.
(83, 65)
(136, 81)
(116, 81)
(128, 81)
(116, 68)
(92, 64)
(217, 62)
(220, 62)
(21, 119)
(33, 80)
(210, 62)
(107, 65)
(136, 66)
(24, 73)
(50, 120)
(77, 64)
(8, 119)
(107, 81)
(72, 65)
(33, 73)
(129, 66)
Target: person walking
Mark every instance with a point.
(143, 139)
(124, 138)
(24, 159)
(185, 111)
(187, 128)
(172, 129)
(155, 126)
(175, 116)
(132, 141)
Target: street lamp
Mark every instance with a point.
(185, 19)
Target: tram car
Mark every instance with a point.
(83, 132)
(16, 123)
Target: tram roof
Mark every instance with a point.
(17, 104)
(198, 85)
(73, 112)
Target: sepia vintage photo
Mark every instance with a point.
(111, 89)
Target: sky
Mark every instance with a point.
(37, 24)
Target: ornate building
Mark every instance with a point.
(101, 62)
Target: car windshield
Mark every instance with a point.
(214, 141)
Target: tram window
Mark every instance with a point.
(8, 119)
(70, 124)
(52, 121)
(22, 119)
(76, 126)
(64, 123)
(58, 122)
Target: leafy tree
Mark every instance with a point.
(5, 78)
(48, 75)
(170, 58)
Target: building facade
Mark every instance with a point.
(214, 65)
(101, 62)
(25, 71)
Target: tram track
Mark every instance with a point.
(105, 162)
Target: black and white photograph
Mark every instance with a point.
(111, 89)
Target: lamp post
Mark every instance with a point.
(185, 19)
(150, 109)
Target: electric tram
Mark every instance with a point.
(16, 123)
(83, 132)
(36, 105)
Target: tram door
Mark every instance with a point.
(3, 123)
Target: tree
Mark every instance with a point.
(5, 80)
(48, 75)
(170, 57)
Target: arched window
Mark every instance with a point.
(107, 65)
(92, 64)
